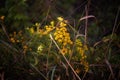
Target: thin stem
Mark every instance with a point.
(86, 24)
(47, 63)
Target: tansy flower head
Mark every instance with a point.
(52, 23)
(40, 48)
(2, 17)
(60, 18)
(31, 30)
(37, 24)
(64, 50)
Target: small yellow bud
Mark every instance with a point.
(37, 24)
(2, 17)
(60, 18)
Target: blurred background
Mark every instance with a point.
(26, 12)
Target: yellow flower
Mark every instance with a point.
(31, 30)
(78, 42)
(86, 66)
(2, 17)
(41, 31)
(81, 49)
(60, 18)
(65, 39)
(12, 40)
(25, 46)
(70, 42)
(85, 47)
(40, 48)
(64, 51)
(57, 29)
(52, 23)
(37, 24)
(45, 32)
(18, 41)
(62, 24)
(59, 40)
(60, 36)
(56, 37)
(63, 29)
(49, 28)
(77, 70)
(64, 44)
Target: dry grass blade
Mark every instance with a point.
(53, 71)
(86, 17)
(9, 46)
(3, 27)
(2, 76)
(107, 62)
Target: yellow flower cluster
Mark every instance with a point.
(81, 49)
(40, 48)
(25, 48)
(50, 27)
(32, 31)
(14, 37)
(62, 36)
(18, 38)
(60, 33)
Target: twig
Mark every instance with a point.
(3, 27)
(107, 62)
(86, 24)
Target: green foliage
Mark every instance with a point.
(16, 15)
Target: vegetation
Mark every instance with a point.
(46, 40)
